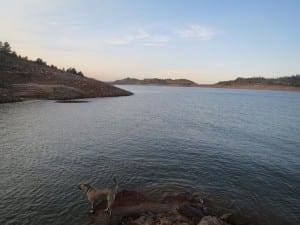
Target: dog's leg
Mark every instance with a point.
(92, 210)
(109, 203)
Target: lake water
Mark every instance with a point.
(239, 149)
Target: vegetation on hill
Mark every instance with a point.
(156, 81)
(5, 49)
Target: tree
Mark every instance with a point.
(6, 47)
(40, 62)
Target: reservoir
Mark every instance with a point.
(239, 149)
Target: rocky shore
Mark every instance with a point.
(22, 79)
(134, 208)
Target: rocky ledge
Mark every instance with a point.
(134, 208)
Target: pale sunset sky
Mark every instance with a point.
(205, 40)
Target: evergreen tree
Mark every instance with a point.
(5, 48)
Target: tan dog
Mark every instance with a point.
(94, 194)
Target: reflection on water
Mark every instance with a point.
(238, 149)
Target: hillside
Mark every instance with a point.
(156, 81)
(22, 79)
(281, 83)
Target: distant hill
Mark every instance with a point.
(281, 83)
(156, 81)
(291, 83)
(21, 78)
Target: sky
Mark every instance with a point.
(202, 40)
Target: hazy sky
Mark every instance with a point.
(202, 40)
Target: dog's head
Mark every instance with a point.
(85, 187)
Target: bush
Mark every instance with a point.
(74, 71)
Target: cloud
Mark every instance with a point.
(52, 23)
(197, 31)
(141, 38)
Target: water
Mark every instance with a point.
(240, 149)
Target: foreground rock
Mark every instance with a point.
(133, 208)
(212, 220)
(23, 79)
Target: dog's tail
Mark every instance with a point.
(116, 184)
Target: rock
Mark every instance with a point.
(181, 219)
(211, 220)
(191, 211)
(129, 223)
(140, 220)
(225, 217)
(164, 221)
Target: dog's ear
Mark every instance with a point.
(87, 185)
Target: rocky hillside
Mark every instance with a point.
(22, 79)
(156, 81)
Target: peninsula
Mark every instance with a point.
(156, 81)
(22, 79)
